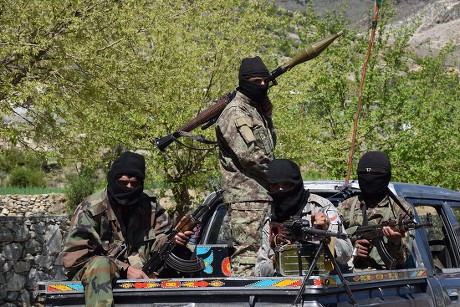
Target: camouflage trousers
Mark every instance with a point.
(244, 221)
(97, 277)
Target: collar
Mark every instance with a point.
(382, 203)
(246, 99)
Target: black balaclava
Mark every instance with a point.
(128, 163)
(253, 67)
(374, 175)
(287, 202)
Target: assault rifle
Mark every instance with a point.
(165, 258)
(375, 235)
(210, 115)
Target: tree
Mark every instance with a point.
(409, 106)
(94, 76)
(98, 77)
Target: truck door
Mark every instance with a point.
(443, 243)
(215, 247)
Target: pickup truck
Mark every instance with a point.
(434, 279)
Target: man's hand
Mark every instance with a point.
(392, 235)
(363, 248)
(320, 221)
(280, 239)
(135, 273)
(181, 238)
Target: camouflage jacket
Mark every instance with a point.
(351, 214)
(246, 142)
(96, 230)
(315, 203)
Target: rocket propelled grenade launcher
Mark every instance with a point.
(307, 54)
(209, 116)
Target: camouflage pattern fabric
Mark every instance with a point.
(97, 229)
(246, 142)
(245, 223)
(352, 215)
(97, 277)
(265, 265)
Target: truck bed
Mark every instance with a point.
(401, 287)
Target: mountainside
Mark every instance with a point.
(440, 19)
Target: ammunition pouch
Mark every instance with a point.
(295, 259)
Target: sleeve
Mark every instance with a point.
(161, 227)
(342, 247)
(400, 251)
(82, 242)
(264, 261)
(237, 130)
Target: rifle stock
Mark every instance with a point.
(202, 118)
(165, 258)
(208, 116)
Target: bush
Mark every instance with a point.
(23, 176)
(14, 157)
(78, 188)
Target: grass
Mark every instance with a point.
(29, 190)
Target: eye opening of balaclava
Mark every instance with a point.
(128, 163)
(287, 202)
(374, 175)
(253, 67)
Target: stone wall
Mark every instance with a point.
(30, 242)
(32, 205)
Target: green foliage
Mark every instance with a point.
(23, 176)
(410, 108)
(95, 77)
(28, 190)
(79, 186)
(456, 211)
(11, 158)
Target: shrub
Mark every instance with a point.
(14, 157)
(23, 176)
(78, 188)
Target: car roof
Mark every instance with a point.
(399, 188)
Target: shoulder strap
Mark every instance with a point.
(352, 209)
(398, 202)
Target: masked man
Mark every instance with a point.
(246, 140)
(291, 199)
(374, 205)
(115, 230)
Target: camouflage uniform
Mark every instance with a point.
(343, 248)
(95, 239)
(387, 208)
(246, 145)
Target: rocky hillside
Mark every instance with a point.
(440, 19)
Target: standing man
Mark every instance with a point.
(246, 140)
(115, 230)
(291, 199)
(374, 205)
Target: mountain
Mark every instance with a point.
(440, 19)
